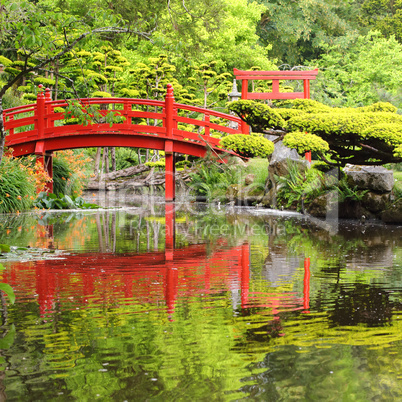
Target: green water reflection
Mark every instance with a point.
(236, 306)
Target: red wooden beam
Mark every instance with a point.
(275, 75)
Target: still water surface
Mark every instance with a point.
(201, 304)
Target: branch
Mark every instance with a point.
(321, 155)
(372, 149)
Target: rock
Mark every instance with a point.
(238, 161)
(374, 178)
(375, 202)
(232, 192)
(327, 206)
(250, 195)
(394, 213)
(318, 207)
(279, 161)
(268, 200)
(324, 205)
(247, 195)
(249, 179)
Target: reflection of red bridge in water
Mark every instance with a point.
(146, 278)
(149, 278)
(153, 277)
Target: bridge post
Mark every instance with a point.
(306, 90)
(40, 113)
(244, 92)
(170, 180)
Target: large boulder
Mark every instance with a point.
(373, 178)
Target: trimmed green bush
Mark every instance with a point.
(248, 145)
(303, 142)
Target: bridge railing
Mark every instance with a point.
(44, 119)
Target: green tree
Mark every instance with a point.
(384, 16)
(296, 29)
(38, 35)
(364, 70)
(232, 42)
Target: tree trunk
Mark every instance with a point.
(97, 162)
(105, 160)
(113, 156)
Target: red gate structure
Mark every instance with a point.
(41, 129)
(275, 77)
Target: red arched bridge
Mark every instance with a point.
(171, 127)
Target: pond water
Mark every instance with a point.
(200, 303)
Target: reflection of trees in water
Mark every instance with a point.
(106, 227)
(138, 233)
(359, 303)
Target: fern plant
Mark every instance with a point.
(212, 180)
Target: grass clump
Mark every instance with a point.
(259, 168)
(17, 186)
(211, 179)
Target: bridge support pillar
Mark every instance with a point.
(245, 274)
(306, 288)
(170, 230)
(170, 171)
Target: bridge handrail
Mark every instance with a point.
(9, 114)
(211, 112)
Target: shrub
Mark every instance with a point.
(304, 142)
(69, 172)
(158, 164)
(248, 145)
(51, 201)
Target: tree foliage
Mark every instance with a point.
(367, 136)
(249, 146)
(384, 16)
(297, 29)
(361, 71)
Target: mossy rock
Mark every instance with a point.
(393, 214)
(232, 191)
